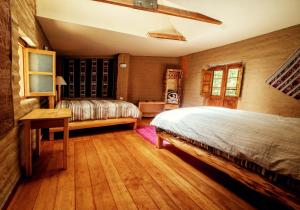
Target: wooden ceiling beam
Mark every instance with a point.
(177, 37)
(186, 14)
(165, 10)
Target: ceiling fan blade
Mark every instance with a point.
(178, 37)
(165, 10)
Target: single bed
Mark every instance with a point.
(232, 140)
(90, 113)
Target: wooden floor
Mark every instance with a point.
(120, 170)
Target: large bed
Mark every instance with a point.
(232, 140)
(89, 113)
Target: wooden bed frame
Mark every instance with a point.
(89, 123)
(94, 124)
(244, 176)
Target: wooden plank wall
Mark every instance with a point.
(146, 77)
(22, 12)
(262, 56)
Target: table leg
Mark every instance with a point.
(51, 135)
(135, 124)
(28, 147)
(65, 142)
(38, 141)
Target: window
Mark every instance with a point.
(39, 72)
(217, 82)
(232, 81)
(221, 85)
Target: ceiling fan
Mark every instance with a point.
(153, 6)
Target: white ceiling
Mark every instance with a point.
(85, 27)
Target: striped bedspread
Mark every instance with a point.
(93, 109)
(270, 141)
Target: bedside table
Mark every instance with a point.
(151, 108)
(45, 118)
(171, 106)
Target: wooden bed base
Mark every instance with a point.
(94, 124)
(244, 176)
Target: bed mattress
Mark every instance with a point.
(93, 109)
(270, 141)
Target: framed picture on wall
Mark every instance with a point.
(172, 97)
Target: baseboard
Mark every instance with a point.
(9, 197)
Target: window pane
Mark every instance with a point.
(218, 74)
(231, 83)
(41, 83)
(233, 73)
(40, 62)
(216, 91)
(217, 82)
(230, 92)
(217, 79)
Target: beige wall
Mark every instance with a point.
(22, 12)
(262, 56)
(146, 77)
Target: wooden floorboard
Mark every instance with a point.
(132, 182)
(83, 186)
(102, 194)
(203, 183)
(199, 182)
(158, 195)
(180, 190)
(120, 170)
(65, 196)
(47, 192)
(29, 188)
(120, 193)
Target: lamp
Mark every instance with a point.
(59, 82)
(123, 66)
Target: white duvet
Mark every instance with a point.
(271, 141)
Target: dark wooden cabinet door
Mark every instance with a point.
(230, 102)
(206, 83)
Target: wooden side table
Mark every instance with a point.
(151, 108)
(45, 118)
(171, 106)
